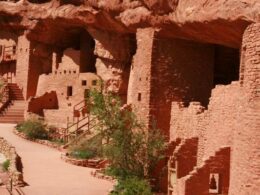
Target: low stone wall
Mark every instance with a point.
(92, 163)
(43, 142)
(10, 153)
(100, 175)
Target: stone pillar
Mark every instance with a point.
(22, 66)
(139, 88)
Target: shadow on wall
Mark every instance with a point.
(46, 101)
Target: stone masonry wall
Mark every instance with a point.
(245, 160)
(231, 120)
(182, 71)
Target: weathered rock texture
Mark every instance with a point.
(10, 154)
(190, 66)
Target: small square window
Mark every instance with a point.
(84, 83)
(94, 82)
(139, 97)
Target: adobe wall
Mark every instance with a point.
(58, 83)
(46, 101)
(181, 71)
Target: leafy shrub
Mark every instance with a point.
(58, 141)
(132, 186)
(33, 129)
(83, 154)
(88, 148)
(6, 165)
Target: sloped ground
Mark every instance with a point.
(46, 173)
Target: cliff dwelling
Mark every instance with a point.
(189, 67)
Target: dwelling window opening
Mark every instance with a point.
(139, 97)
(84, 83)
(214, 183)
(69, 91)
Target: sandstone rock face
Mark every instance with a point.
(220, 21)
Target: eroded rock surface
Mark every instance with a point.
(220, 21)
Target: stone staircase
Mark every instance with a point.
(15, 92)
(14, 112)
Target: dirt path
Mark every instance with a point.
(47, 174)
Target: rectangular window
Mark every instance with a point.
(84, 83)
(139, 97)
(69, 91)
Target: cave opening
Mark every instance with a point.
(39, 1)
(78, 46)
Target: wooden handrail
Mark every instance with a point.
(80, 136)
(77, 122)
(83, 101)
(5, 96)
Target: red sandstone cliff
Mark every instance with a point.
(220, 21)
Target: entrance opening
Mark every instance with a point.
(226, 66)
(214, 183)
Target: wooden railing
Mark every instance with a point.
(89, 131)
(4, 96)
(7, 53)
(81, 119)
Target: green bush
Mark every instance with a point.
(88, 148)
(6, 165)
(81, 154)
(58, 141)
(132, 186)
(33, 129)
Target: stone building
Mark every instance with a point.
(191, 67)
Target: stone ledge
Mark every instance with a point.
(91, 163)
(98, 174)
(43, 142)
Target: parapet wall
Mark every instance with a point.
(213, 126)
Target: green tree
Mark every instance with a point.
(131, 147)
